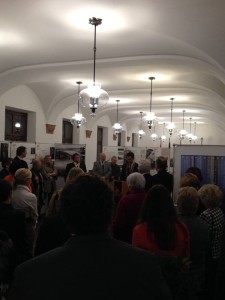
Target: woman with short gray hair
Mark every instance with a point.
(128, 208)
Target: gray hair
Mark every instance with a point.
(144, 166)
(136, 181)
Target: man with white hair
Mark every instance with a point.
(128, 208)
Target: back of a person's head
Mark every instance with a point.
(87, 205)
(158, 205)
(20, 150)
(160, 215)
(191, 180)
(144, 166)
(73, 173)
(211, 195)
(161, 163)
(5, 190)
(187, 201)
(196, 171)
(135, 181)
(21, 176)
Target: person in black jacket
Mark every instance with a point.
(130, 166)
(162, 177)
(76, 163)
(13, 221)
(18, 161)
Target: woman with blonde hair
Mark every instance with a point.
(24, 200)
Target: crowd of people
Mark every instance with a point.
(75, 242)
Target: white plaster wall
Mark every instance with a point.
(21, 97)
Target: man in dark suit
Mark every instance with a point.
(102, 167)
(162, 177)
(114, 169)
(130, 166)
(92, 264)
(76, 163)
(18, 161)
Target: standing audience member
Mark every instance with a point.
(128, 208)
(13, 221)
(144, 169)
(187, 205)
(24, 200)
(18, 161)
(52, 231)
(77, 163)
(91, 265)
(191, 180)
(211, 197)
(51, 177)
(38, 179)
(114, 169)
(159, 229)
(8, 262)
(130, 166)
(5, 168)
(102, 167)
(163, 177)
(161, 232)
(196, 171)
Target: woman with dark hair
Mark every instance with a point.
(159, 229)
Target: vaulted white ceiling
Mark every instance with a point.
(47, 45)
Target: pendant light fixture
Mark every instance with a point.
(141, 131)
(78, 119)
(117, 127)
(163, 137)
(154, 136)
(190, 135)
(93, 96)
(194, 136)
(183, 132)
(150, 117)
(171, 125)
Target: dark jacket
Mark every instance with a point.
(91, 267)
(164, 178)
(72, 165)
(16, 164)
(13, 222)
(127, 171)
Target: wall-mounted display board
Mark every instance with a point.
(63, 155)
(209, 159)
(4, 151)
(43, 149)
